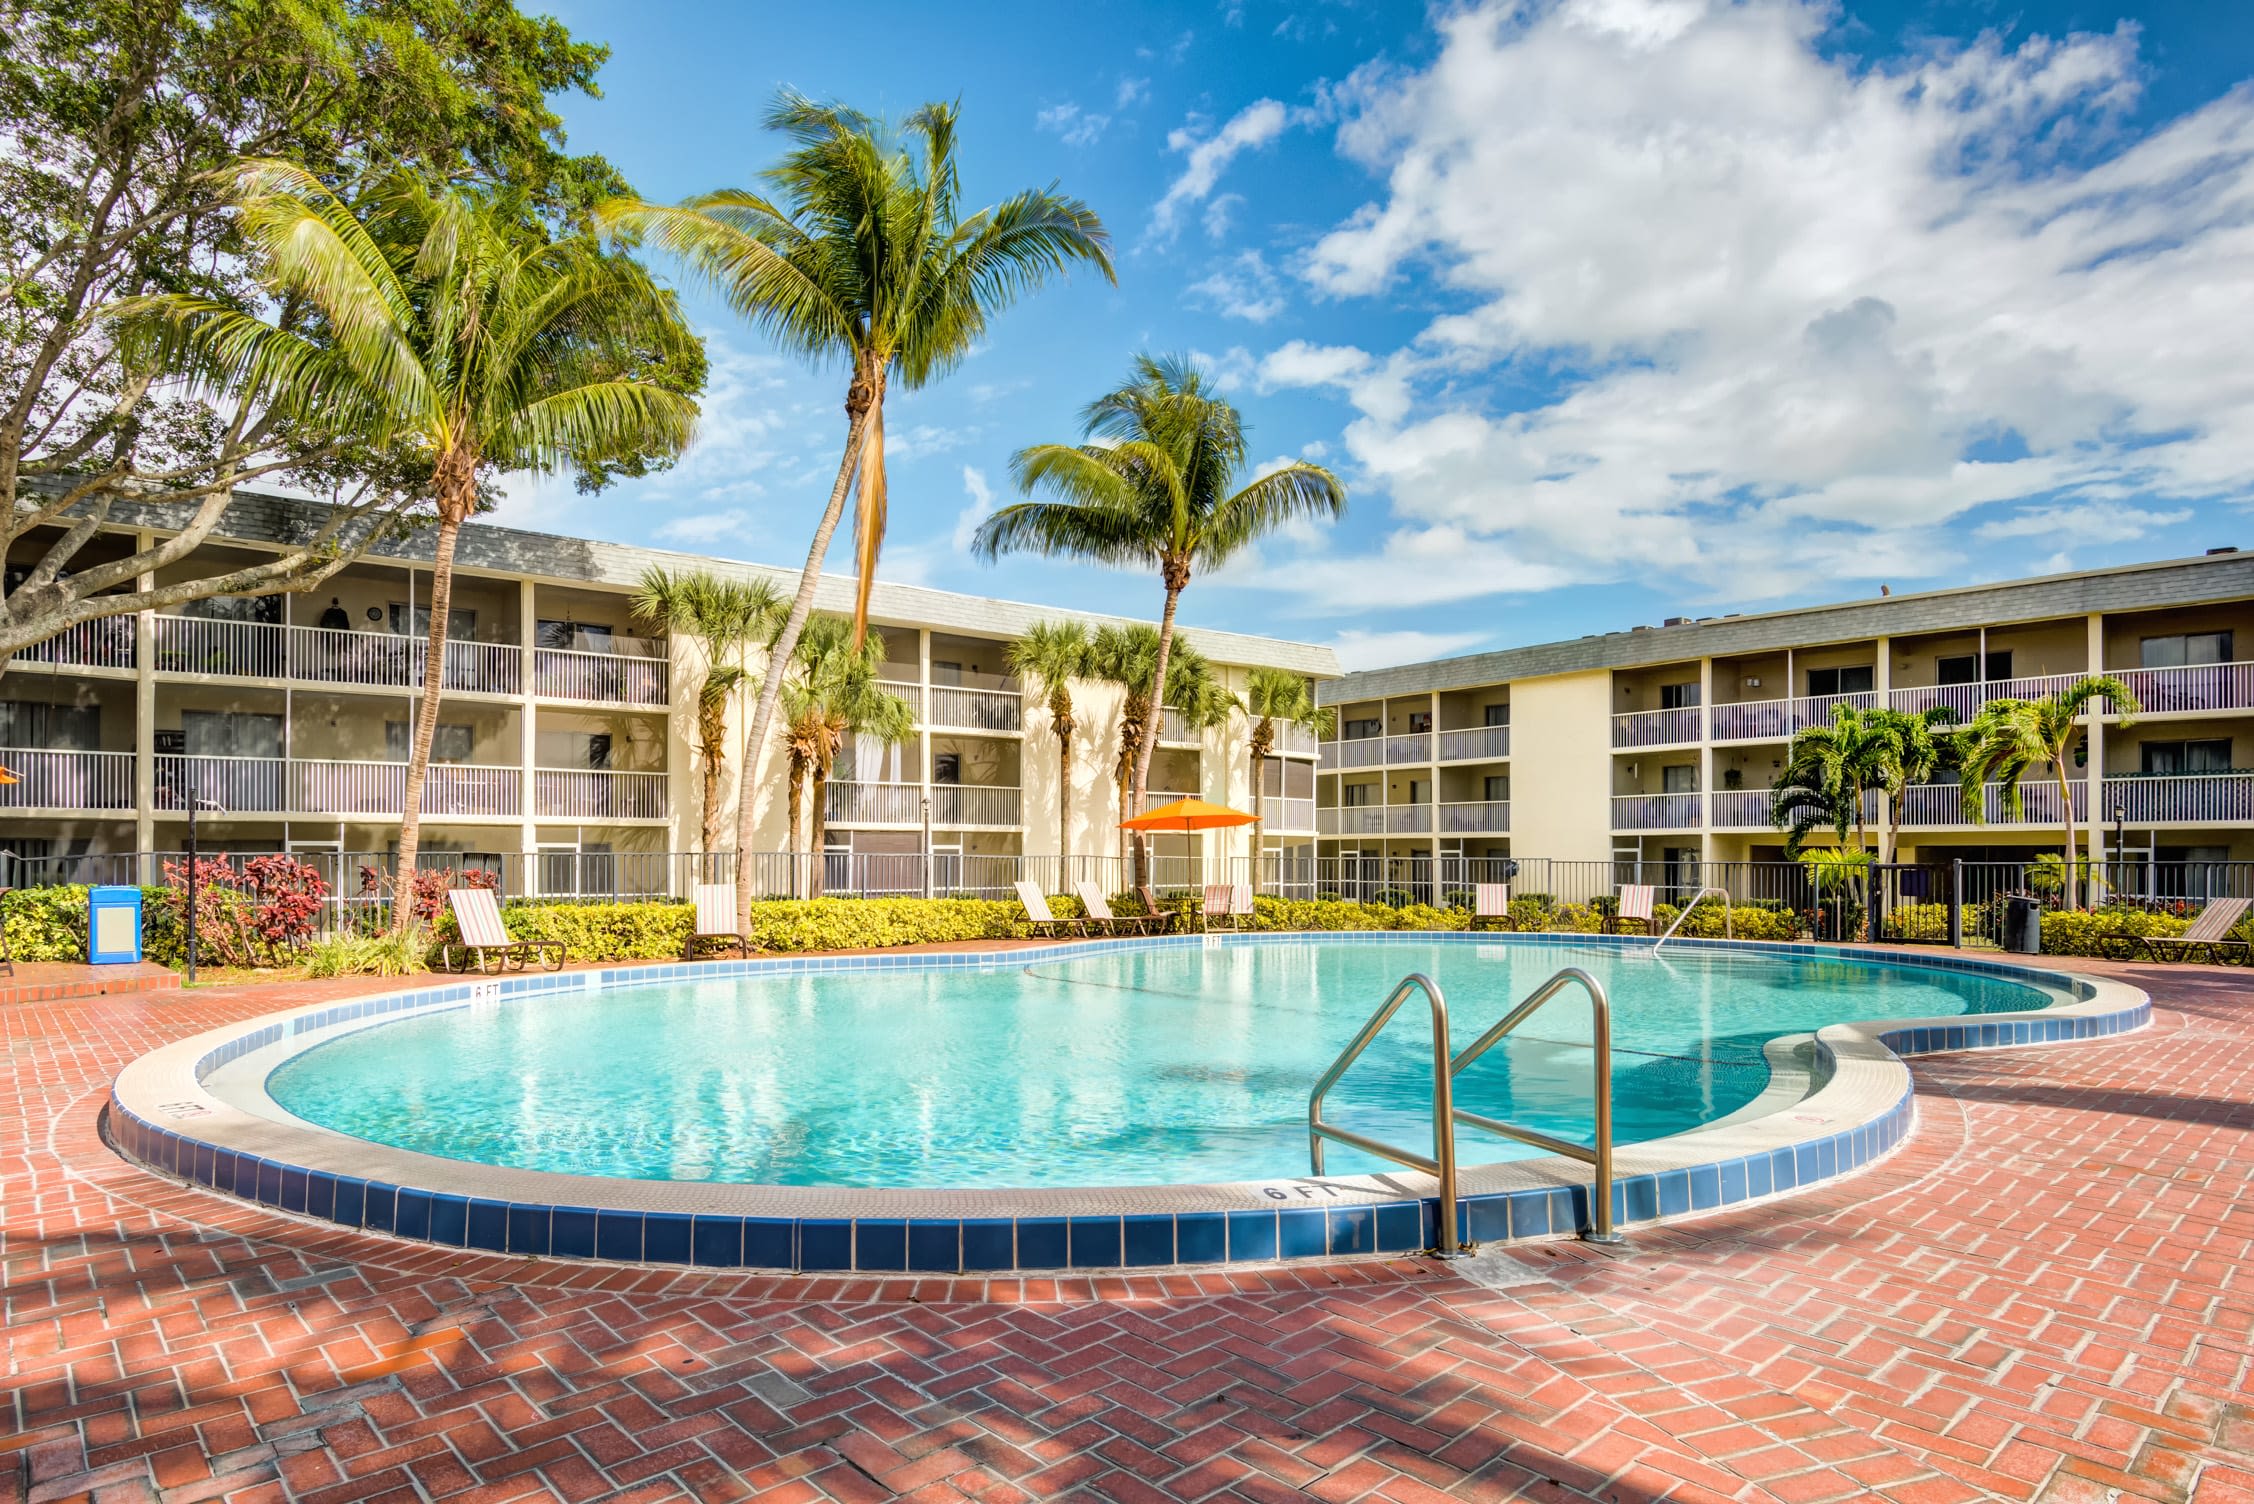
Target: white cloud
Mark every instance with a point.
(1359, 650)
(703, 528)
(1242, 287)
(1075, 126)
(1208, 156)
(1131, 91)
(1220, 213)
(1785, 317)
(917, 440)
(981, 505)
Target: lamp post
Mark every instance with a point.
(195, 801)
(927, 844)
(2120, 815)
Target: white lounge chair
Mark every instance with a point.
(1490, 904)
(1099, 912)
(1037, 913)
(715, 923)
(478, 916)
(1636, 902)
(1230, 901)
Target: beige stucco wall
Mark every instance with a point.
(1561, 766)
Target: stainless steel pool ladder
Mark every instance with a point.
(1441, 1163)
(1685, 913)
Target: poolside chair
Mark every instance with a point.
(1037, 913)
(1230, 901)
(1162, 920)
(478, 916)
(1636, 900)
(1099, 913)
(715, 923)
(2210, 932)
(1490, 905)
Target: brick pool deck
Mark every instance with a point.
(2047, 1294)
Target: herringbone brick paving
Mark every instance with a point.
(2045, 1295)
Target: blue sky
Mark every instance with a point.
(1606, 310)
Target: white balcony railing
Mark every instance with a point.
(313, 786)
(1294, 816)
(1942, 804)
(1408, 819)
(598, 794)
(973, 709)
(1484, 817)
(104, 643)
(1174, 729)
(1413, 747)
(1655, 811)
(2205, 686)
(1738, 809)
(908, 690)
(598, 678)
(1350, 820)
(874, 803)
(1475, 744)
(1655, 728)
(1966, 699)
(2188, 798)
(1296, 741)
(66, 780)
(1774, 720)
(958, 804)
(1361, 752)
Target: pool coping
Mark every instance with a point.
(163, 1115)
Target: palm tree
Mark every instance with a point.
(1916, 746)
(1276, 699)
(835, 693)
(1156, 482)
(1047, 659)
(864, 256)
(1128, 658)
(1827, 770)
(2007, 737)
(456, 332)
(726, 617)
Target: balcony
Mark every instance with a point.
(1738, 809)
(71, 781)
(1775, 720)
(1942, 804)
(2178, 799)
(1477, 744)
(1655, 811)
(1966, 699)
(598, 794)
(106, 643)
(1361, 752)
(968, 707)
(1296, 741)
(2199, 687)
(873, 803)
(596, 678)
(954, 805)
(1656, 728)
(1294, 816)
(1174, 730)
(908, 690)
(1408, 819)
(1483, 817)
(1415, 748)
(1350, 820)
(300, 786)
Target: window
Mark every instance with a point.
(1855, 680)
(1498, 715)
(447, 743)
(1359, 795)
(579, 636)
(1420, 721)
(1679, 779)
(461, 625)
(231, 733)
(1420, 792)
(52, 728)
(1358, 730)
(946, 767)
(862, 758)
(1497, 788)
(946, 673)
(2210, 755)
(1964, 668)
(1678, 696)
(2186, 649)
(564, 750)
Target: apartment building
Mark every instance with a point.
(1661, 744)
(566, 737)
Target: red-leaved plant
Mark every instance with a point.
(430, 887)
(249, 915)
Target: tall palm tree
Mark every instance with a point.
(1157, 482)
(2008, 737)
(861, 254)
(1127, 657)
(1827, 770)
(835, 693)
(457, 332)
(1047, 659)
(1917, 744)
(1276, 699)
(726, 617)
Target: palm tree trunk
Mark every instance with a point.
(801, 607)
(790, 837)
(452, 508)
(1260, 744)
(714, 734)
(817, 844)
(1177, 576)
(1064, 802)
(2066, 803)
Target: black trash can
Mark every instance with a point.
(2023, 925)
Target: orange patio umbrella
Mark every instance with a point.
(1186, 815)
(7, 776)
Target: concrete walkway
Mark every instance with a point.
(2048, 1294)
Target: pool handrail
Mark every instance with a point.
(1685, 912)
(1441, 1165)
(1600, 1156)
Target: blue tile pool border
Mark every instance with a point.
(1133, 1237)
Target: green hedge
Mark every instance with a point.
(49, 924)
(656, 931)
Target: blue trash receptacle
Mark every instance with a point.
(113, 926)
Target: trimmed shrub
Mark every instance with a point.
(656, 931)
(1744, 922)
(49, 924)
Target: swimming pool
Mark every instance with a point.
(1077, 1106)
(1141, 1067)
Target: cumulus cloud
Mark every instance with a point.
(1076, 127)
(1242, 287)
(1733, 309)
(1130, 91)
(1206, 157)
(1359, 650)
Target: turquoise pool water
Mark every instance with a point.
(1128, 1068)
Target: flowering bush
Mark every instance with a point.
(429, 889)
(251, 915)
